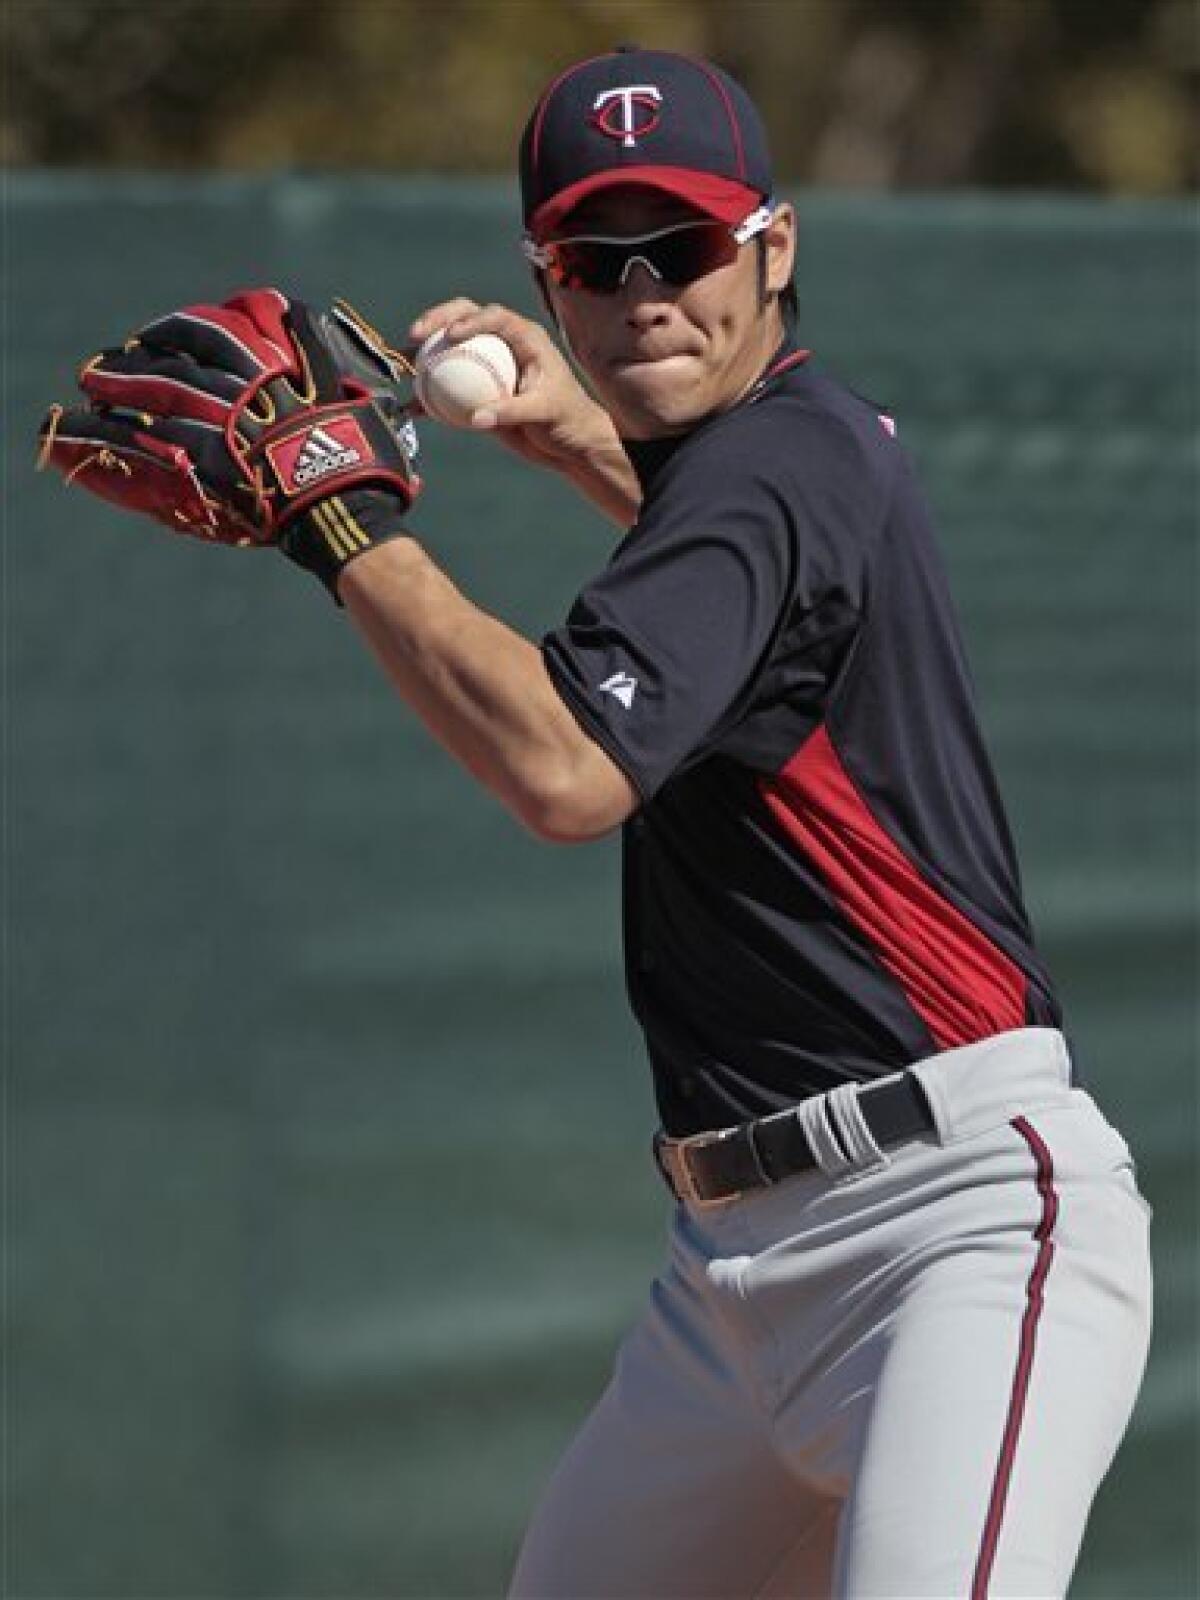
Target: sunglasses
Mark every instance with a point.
(677, 255)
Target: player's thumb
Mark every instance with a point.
(513, 411)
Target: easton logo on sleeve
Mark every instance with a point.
(622, 687)
(325, 448)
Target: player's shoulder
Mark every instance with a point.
(803, 408)
(815, 412)
(799, 433)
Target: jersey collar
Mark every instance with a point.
(649, 456)
(789, 354)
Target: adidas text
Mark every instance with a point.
(321, 455)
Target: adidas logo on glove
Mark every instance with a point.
(305, 458)
(322, 454)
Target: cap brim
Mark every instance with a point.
(722, 198)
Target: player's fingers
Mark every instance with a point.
(533, 403)
(435, 317)
(537, 401)
(528, 340)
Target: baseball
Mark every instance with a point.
(453, 381)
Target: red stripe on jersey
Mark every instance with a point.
(961, 985)
(795, 359)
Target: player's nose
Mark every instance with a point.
(645, 297)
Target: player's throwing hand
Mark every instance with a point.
(551, 420)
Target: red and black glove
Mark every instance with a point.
(246, 423)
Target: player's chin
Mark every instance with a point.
(649, 398)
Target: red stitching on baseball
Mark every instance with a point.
(460, 350)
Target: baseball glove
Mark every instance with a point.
(244, 423)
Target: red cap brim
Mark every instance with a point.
(722, 198)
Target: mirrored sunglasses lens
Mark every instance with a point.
(587, 264)
(678, 258)
(682, 257)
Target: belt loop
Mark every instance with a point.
(864, 1151)
(813, 1117)
(760, 1167)
(837, 1133)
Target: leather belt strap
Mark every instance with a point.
(712, 1168)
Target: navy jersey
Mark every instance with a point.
(819, 883)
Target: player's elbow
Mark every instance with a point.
(579, 801)
(558, 826)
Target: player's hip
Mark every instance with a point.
(1010, 1148)
(1020, 1194)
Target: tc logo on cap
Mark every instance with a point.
(627, 114)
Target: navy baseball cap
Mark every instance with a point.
(649, 117)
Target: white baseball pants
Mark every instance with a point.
(903, 1374)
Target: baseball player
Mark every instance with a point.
(906, 1306)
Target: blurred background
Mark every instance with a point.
(877, 94)
(327, 1191)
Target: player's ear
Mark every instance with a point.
(779, 248)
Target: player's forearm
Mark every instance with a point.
(604, 474)
(483, 692)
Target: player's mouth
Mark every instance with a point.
(649, 358)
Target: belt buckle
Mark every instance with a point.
(680, 1168)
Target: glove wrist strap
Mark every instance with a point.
(329, 534)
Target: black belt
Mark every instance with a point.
(710, 1168)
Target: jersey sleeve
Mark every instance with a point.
(661, 653)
